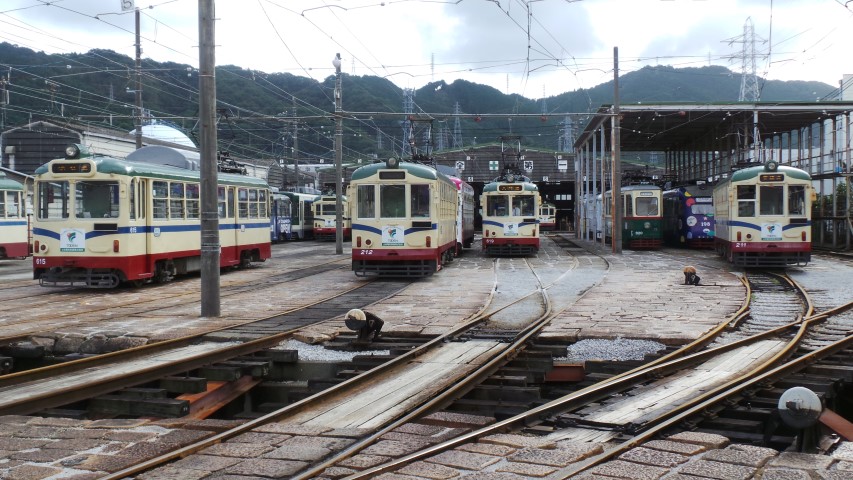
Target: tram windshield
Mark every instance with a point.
(496, 206)
(366, 201)
(647, 206)
(771, 200)
(523, 205)
(796, 200)
(392, 201)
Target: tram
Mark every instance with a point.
(100, 221)
(763, 216)
(14, 234)
(325, 208)
(403, 219)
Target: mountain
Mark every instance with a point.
(256, 109)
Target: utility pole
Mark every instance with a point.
(339, 137)
(210, 305)
(616, 169)
(138, 109)
(295, 143)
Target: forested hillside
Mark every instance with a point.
(257, 109)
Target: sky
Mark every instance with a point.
(535, 48)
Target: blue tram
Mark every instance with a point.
(688, 216)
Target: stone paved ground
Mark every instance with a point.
(641, 295)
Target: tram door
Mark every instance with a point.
(229, 224)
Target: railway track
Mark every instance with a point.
(598, 423)
(473, 351)
(54, 386)
(496, 326)
(97, 310)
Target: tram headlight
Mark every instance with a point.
(75, 150)
(647, 225)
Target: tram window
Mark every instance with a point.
(702, 209)
(525, 205)
(771, 200)
(420, 200)
(2, 204)
(647, 207)
(263, 203)
(253, 203)
(496, 206)
(53, 199)
(392, 201)
(176, 200)
(243, 203)
(14, 204)
(160, 193)
(220, 201)
(143, 200)
(796, 200)
(96, 199)
(366, 198)
(628, 205)
(229, 206)
(192, 193)
(746, 200)
(132, 198)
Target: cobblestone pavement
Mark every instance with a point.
(640, 296)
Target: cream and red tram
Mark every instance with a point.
(762, 216)
(510, 216)
(403, 219)
(102, 221)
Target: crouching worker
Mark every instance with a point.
(690, 277)
(364, 323)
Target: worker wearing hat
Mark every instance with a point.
(364, 323)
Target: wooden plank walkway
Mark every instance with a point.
(94, 375)
(403, 388)
(650, 401)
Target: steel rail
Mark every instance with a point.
(455, 391)
(366, 377)
(305, 403)
(659, 368)
(769, 376)
(53, 399)
(228, 291)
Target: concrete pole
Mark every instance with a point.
(138, 109)
(210, 305)
(339, 137)
(616, 178)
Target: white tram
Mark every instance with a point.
(14, 235)
(510, 216)
(325, 209)
(101, 221)
(464, 215)
(403, 219)
(763, 216)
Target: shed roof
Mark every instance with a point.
(706, 126)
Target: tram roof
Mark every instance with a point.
(137, 169)
(9, 184)
(416, 169)
(752, 172)
(705, 126)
